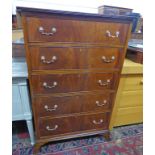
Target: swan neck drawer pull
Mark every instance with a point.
(46, 86)
(43, 59)
(104, 83)
(99, 122)
(50, 109)
(51, 129)
(101, 104)
(108, 60)
(42, 31)
(112, 36)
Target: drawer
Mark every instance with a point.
(62, 105)
(50, 58)
(63, 83)
(129, 115)
(131, 83)
(130, 99)
(95, 122)
(66, 125)
(67, 30)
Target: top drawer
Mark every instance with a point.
(65, 30)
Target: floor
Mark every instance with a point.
(130, 136)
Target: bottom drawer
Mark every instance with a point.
(68, 125)
(129, 115)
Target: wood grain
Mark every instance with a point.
(63, 105)
(79, 43)
(72, 82)
(75, 31)
(72, 124)
(74, 58)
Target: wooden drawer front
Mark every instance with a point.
(95, 102)
(46, 58)
(130, 98)
(95, 122)
(62, 83)
(132, 83)
(65, 125)
(61, 105)
(75, 31)
(129, 115)
(56, 126)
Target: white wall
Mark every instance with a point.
(77, 5)
(68, 5)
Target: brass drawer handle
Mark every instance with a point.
(99, 122)
(51, 129)
(42, 31)
(104, 83)
(112, 36)
(43, 59)
(46, 86)
(101, 104)
(108, 60)
(49, 109)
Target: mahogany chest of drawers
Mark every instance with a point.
(74, 64)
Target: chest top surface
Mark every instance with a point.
(36, 11)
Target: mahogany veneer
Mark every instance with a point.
(75, 30)
(72, 104)
(64, 125)
(74, 64)
(62, 83)
(74, 57)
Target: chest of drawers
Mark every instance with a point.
(128, 108)
(74, 63)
